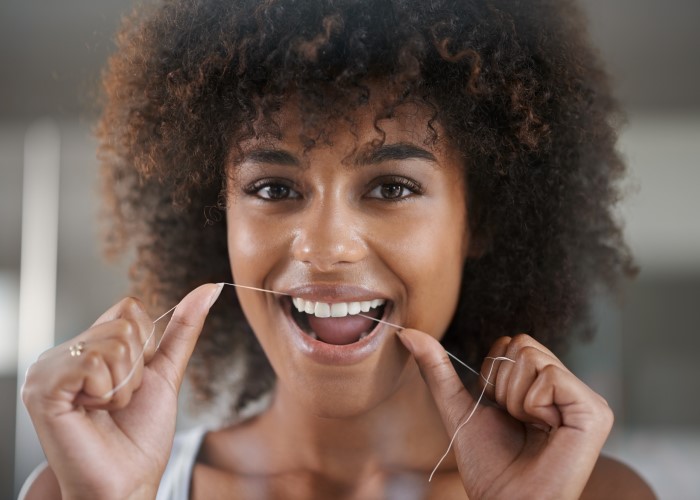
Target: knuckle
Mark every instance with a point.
(26, 394)
(603, 401)
(501, 343)
(530, 403)
(30, 386)
(521, 341)
(123, 348)
(550, 373)
(528, 354)
(608, 416)
(605, 414)
(46, 354)
(125, 327)
(132, 305)
(92, 360)
(120, 347)
(127, 331)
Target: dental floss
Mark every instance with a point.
(471, 414)
(253, 288)
(476, 405)
(109, 394)
(446, 351)
(113, 391)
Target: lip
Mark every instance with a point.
(329, 354)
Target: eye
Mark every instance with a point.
(395, 189)
(272, 190)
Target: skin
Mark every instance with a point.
(362, 430)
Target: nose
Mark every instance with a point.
(328, 236)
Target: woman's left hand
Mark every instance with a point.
(547, 443)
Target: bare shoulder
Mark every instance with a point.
(613, 479)
(41, 484)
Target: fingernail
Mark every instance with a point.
(215, 295)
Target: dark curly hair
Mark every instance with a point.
(515, 86)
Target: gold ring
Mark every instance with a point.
(77, 349)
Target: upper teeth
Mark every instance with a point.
(336, 310)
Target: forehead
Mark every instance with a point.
(353, 131)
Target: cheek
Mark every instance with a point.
(429, 258)
(253, 247)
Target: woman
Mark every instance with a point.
(447, 168)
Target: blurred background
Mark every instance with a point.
(53, 282)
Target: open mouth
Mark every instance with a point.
(340, 323)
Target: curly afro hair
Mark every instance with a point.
(515, 86)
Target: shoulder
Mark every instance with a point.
(613, 479)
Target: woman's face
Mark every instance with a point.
(347, 230)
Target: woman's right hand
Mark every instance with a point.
(114, 447)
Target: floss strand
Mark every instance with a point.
(108, 395)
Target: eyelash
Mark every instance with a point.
(255, 188)
(405, 183)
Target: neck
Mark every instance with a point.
(404, 432)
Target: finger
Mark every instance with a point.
(66, 377)
(522, 340)
(560, 399)
(116, 356)
(80, 375)
(529, 365)
(182, 332)
(118, 343)
(126, 319)
(494, 369)
(452, 399)
(97, 381)
(132, 309)
(110, 371)
(511, 348)
(579, 429)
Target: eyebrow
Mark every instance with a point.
(385, 152)
(274, 156)
(394, 152)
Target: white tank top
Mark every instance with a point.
(176, 480)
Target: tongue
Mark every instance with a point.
(340, 331)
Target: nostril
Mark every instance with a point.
(325, 258)
(326, 242)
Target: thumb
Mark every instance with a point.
(451, 398)
(182, 332)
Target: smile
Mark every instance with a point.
(338, 323)
(335, 310)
